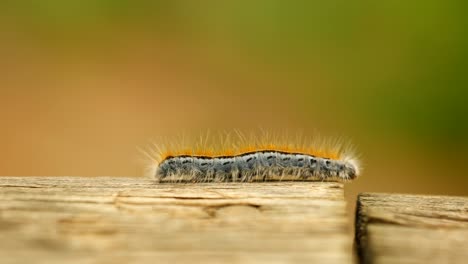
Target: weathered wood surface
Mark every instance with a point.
(392, 228)
(134, 220)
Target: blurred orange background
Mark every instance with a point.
(84, 83)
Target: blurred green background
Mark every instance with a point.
(83, 83)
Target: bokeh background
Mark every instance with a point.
(84, 83)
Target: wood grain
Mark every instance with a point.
(394, 228)
(134, 220)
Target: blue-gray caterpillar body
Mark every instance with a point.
(265, 165)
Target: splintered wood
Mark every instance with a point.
(131, 220)
(392, 228)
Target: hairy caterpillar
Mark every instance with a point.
(260, 159)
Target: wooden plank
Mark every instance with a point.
(122, 220)
(395, 228)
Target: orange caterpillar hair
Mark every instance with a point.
(230, 148)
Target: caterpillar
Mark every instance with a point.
(249, 160)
